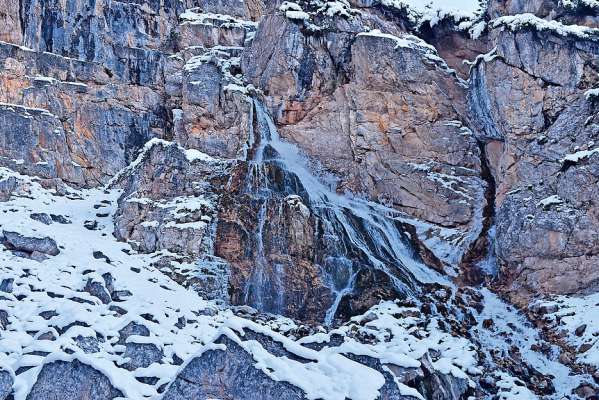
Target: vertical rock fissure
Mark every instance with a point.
(477, 264)
(22, 19)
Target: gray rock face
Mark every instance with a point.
(70, 119)
(30, 245)
(177, 209)
(120, 35)
(6, 382)
(382, 114)
(210, 111)
(227, 374)
(535, 119)
(73, 380)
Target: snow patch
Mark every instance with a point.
(522, 21)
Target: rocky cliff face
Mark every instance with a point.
(315, 199)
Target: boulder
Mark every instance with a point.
(227, 373)
(6, 381)
(141, 355)
(72, 381)
(21, 243)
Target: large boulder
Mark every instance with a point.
(226, 373)
(62, 380)
(30, 246)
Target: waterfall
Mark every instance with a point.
(357, 233)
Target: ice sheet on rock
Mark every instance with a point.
(391, 253)
(447, 244)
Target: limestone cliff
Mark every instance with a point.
(253, 199)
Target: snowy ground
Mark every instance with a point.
(578, 319)
(511, 332)
(50, 313)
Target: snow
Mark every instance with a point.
(293, 11)
(405, 41)
(47, 79)
(477, 29)
(28, 49)
(592, 94)
(27, 111)
(520, 21)
(573, 4)
(510, 330)
(433, 11)
(196, 155)
(51, 285)
(191, 17)
(579, 155)
(567, 314)
(339, 7)
(511, 388)
(551, 200)
(398, 335)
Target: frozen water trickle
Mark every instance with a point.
(256, 284)
(364, 233)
